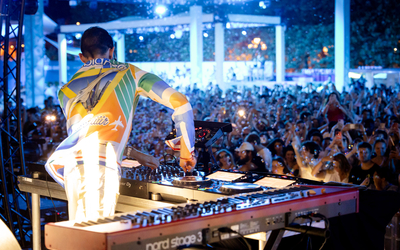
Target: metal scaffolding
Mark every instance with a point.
(14, 205)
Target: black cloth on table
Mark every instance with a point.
(366, 229)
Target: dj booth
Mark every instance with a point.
(164, 208)
(194, 210)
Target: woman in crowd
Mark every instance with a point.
(225, 159)
(338, 171)
(290, 159)
(276, 147)
(307, 158)
(380, 150)
(279, 166)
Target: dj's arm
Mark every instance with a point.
(142, 158)
(152, 86)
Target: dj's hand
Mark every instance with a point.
(143, 159)
(188, 164)
(149, 161)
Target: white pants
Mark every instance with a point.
(92, 192)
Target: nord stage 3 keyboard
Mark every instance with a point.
(204, 222)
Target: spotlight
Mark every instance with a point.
(140, 38)
(244, 32)
(78, 35)
(161, 9)
(172, 36)
(205, 34)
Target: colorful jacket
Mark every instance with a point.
(99, 103)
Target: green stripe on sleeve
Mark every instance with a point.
(122, 102)
(127, 92)
(147, 81)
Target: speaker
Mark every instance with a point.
(7, 239)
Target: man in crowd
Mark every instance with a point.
(365, 171)
(248, 159)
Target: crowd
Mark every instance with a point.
(316, 133)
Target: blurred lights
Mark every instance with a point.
(228, 25)
(78, 35)
(50, 118)
(354, 75)
(141, 38)
(78, 23)
(241, 112)
(172, 36)
(23, 45)
(395, 49)
(244, 32)
(257, 40)
(205, 34)
(263, 46)
(161, 9)
(325, 49)
(250, 46)
(178, 34)
(12, 46)
(262, 5)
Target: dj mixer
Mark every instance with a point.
(170, 183)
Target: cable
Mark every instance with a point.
(228, 230)
(51, 198)
(323, 244)
(165, 160)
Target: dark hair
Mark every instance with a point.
(313, 132)
(96, 41)
(253, 137)
(287, 149)
(382, 132)
(365, 145)
(333, 93)
(383, 173)
(271, 145)
(304, 114)
(313, 147)
(282, 161)
(344, 164)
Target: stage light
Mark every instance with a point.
(263, 46)
(161, 9)
(241, 112)
(78, 23)
(172, 36)
(395, 49)
(178, 34)
(257, 40)
(205, 34)
(140, 38)
(250, 46)
(78, 35)
(325, 49)
(244, 32)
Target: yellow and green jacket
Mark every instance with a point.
(99, 103)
